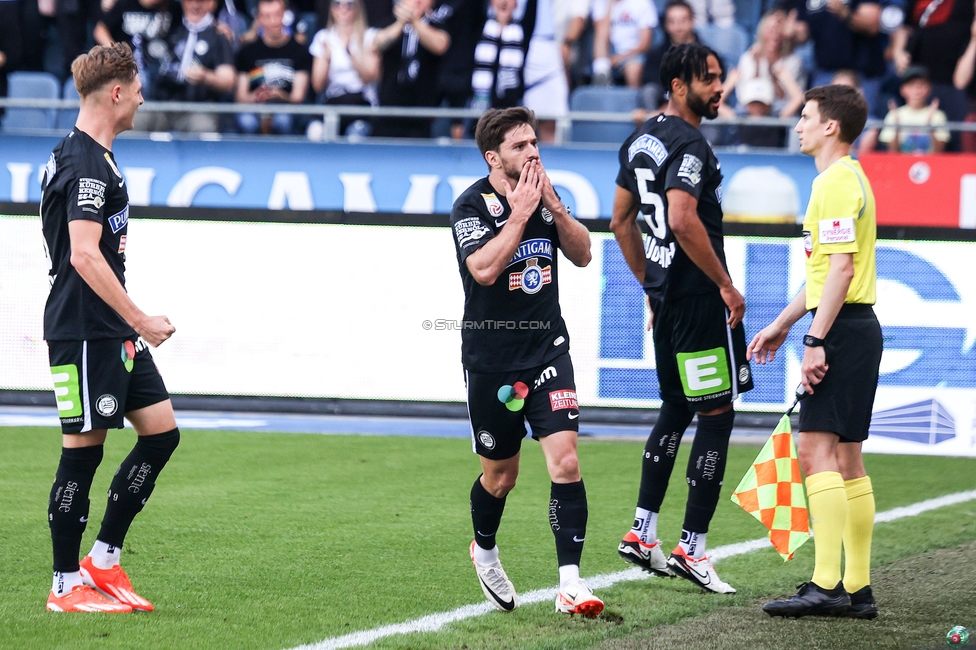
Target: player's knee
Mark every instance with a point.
(161, 445)
(500, 482)
(565, 469)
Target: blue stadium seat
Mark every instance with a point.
(729, 42)
(68, 116)
(31, 85)
(602, 99)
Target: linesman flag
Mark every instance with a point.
(772, 492)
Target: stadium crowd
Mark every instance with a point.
(914, 60)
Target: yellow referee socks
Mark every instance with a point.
(828, 510)
(857, 533)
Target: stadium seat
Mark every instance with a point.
(730, 42)
(602, 99)
(31, 85)
(68, 116)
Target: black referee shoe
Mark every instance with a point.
(812, 600)
(862, 604)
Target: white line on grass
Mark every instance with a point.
(435, 622)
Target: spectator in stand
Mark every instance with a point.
(464, 26)
(935, 35)
(272, 70)
(138, 23)
(411, 49)
(717, 12)
(621, 34)
(964, 79)
(756, 97)
(546, 88)
(196, 65)
(868, 140)
(10, 42)
(679, 28)
(346, 66)
(770, 59)
(846, 36)
(908, 129)
(73, 18)
(499, 58)
(569, 20)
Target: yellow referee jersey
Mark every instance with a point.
(841, 219)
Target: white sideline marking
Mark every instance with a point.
(434, 622)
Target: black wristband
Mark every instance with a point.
(812, 341)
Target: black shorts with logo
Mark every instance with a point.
(500, 403)
(843, 401)
(701, 361)
(97, 382)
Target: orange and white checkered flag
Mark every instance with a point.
(772, 492)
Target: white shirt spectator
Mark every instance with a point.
(564, 11)
(627, 18)
(343, 78)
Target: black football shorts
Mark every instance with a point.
(701, 361)
(97, 382)
(499, 404)
(843, 401)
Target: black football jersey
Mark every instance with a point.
(82, 181)
(668, 153)
(516, 323)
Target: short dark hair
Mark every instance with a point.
(101, 65)
(686, 62)
(842, 103)
(671, 5)
(496, 122)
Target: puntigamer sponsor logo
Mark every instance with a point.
(649, 145)
(532, 248)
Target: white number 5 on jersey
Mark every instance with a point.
(655, 220)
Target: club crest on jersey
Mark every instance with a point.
(494, 205)
(532, 278)
(547, 216)
(119, 220)
(690, 169)
(111, 163)
(532, 248)
(649, 146)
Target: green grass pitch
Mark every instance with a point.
(255, 540)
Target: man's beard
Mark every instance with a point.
(514, 173)
(700, 107)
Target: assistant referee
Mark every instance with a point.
(841, 360)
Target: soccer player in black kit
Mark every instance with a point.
(670, 179)
(97, 341)
(515, 348)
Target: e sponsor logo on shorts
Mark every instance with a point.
(67, 391)
(705, 372)
(486, 439)
(106, 405)
(545, 376)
